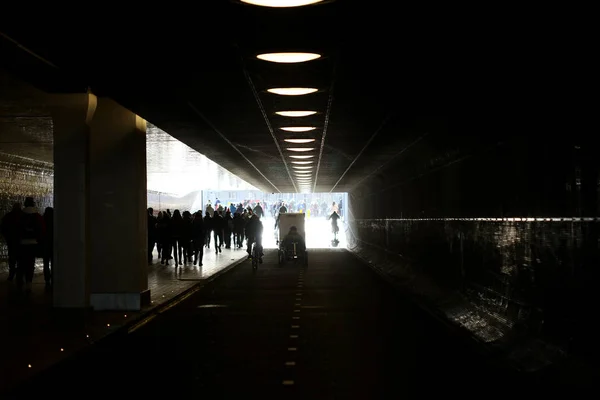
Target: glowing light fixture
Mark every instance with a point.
(295, 114)
(298, 167)
(288, 57)
(302, 162)
(299, 141)
(304, 156)
(300, 149)
(292, 91)
(297, 128)
(281, 3)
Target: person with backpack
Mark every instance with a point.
(31, 234)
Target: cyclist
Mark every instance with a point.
(294, 236)
(334, 225)
(254, 231)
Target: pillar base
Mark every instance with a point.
(120, 301)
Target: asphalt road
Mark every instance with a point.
(333, 330)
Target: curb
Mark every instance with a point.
(143, 319)
(125, 329)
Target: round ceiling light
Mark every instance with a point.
(288, 58)
(302, 157)
(300, 149)
(302, 162)
(295, 114)
(299, 141)
(281, 3)
(292, 91)
(298, 128)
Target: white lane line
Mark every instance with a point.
(292, 349)
(294, 336)
(290, 363)
(288, 383)
(295, 326)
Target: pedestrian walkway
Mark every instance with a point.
(36, 336)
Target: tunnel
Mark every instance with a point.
(455, 151)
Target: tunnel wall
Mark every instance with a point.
(502, 243)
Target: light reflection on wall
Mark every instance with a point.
(177, 169)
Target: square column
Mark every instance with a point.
(118, 201)
(71, 115)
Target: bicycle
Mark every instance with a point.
(291, 252)
(256, 251)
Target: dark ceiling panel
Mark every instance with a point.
(197, 77)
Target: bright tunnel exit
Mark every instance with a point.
(318, 222)
(180, 178)
(316, 207)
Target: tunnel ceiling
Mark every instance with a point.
(195, 74)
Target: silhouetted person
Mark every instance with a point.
(334, 225)
(176, 232)
(254, 231)
(227, 229)
(294, 237)
(208, 227)
(238, 229)
(218, 226)
(258, 210)
(49, 245)
(10, 231)
(186, 237)
(152, 234)
(31, 234)
(164, 230)
(198, 237)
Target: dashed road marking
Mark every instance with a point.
(295, 326)
(295, 317)
(292, 348)
(290, 363)
(293, 336)
(296, 310)
(288, 383)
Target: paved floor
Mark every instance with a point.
(331, 331)
(39, 336)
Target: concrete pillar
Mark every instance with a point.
(71, 116)
(118, 217)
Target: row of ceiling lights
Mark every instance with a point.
(302, 162)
